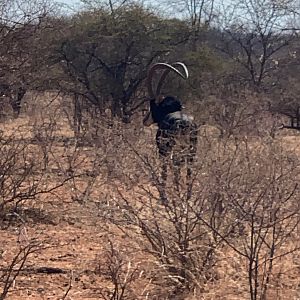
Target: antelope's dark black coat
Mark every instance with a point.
(175, 129)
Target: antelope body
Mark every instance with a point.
(176, 137)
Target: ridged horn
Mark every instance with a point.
(168, 68)
(184, 75)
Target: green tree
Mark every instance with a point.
(106, 54)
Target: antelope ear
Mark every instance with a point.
(148, 120)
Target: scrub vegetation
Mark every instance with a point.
(81, 215)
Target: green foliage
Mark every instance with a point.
(107, 55)
(205, 67)
(206, 60)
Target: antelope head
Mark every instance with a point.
(161, 106)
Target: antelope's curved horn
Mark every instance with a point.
(184, 75)
(167, 68)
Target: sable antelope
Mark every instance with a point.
(176, 137)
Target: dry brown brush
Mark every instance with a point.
(244, 201)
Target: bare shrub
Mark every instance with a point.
(9, 274)
(17, 168)
(43, 137)
(237, 111)
(31, 167)
(12, 268)
(257, 191)
(121, 272)
(244, 198)
(169, 231)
